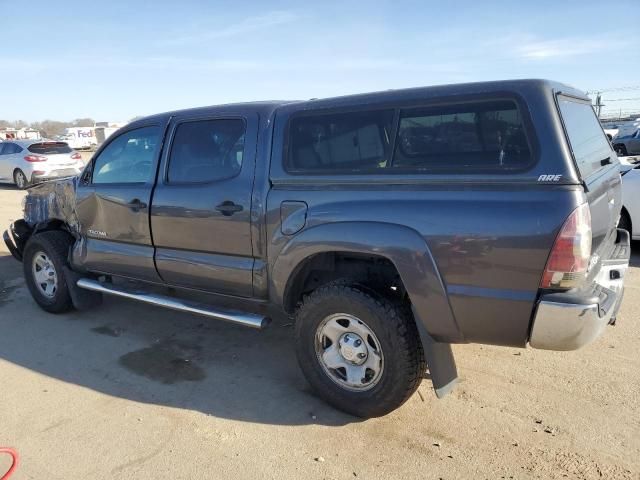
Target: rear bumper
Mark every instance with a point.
(570, 320)
(55, 174)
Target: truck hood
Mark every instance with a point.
(54, 200)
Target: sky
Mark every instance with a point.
(113, 60)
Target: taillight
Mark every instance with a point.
(76, 156)
(569, 259)
(35, 158)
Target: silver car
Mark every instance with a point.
(25, 162)
(627, 145)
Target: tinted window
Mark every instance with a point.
(588, 142)
(10, 148)
(206, 151)
(482, 137)
(49, 148)
(340, 142)
(128, 158)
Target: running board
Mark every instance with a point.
(241, 318)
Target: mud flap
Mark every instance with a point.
(82, 299)
(441, 363)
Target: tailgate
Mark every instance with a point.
(599, 170)
(60, 160)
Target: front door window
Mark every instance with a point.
(128, 158)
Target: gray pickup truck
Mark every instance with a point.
(390, 225)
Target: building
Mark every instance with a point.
(19, 134)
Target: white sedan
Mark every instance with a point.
(24, 162)
(630, 215)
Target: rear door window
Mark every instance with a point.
(206, 151)
(50, 148)
(588, 142)
(11, 148)
(466, 138)
(341, 143)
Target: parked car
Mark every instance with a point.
(628, 145)
(391, 225)
(611, 133)
(26, 162)
(630, 214)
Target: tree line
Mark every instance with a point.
(48, 128)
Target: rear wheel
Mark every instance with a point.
(360, 352)
(620, 149)
(45, 256)
(20, 179)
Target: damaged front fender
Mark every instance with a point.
(52, 201)
(46, 204)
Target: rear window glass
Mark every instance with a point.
(340, 142)
(9, 148)
(586, 138)
(480, 137)
(50, 148)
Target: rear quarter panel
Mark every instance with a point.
(490, 245)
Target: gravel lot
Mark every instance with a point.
(132, 391)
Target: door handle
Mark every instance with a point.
(136, 204)
(228, 208)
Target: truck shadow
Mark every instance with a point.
(147, 354)
(151, 355)
(635, 254)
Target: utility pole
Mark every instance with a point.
(599, 103)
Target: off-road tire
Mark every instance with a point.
(55, 244)
(394, 327)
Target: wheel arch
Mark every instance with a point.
(409, 253)
(403, 247)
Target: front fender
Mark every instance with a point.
(401, 245)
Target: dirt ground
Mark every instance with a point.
(132, 391)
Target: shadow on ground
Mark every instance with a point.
(146, 354)
(635, 254)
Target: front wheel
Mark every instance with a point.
(45, 256)
(620, 149)
(360, 352)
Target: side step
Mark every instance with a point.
(241, 318)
